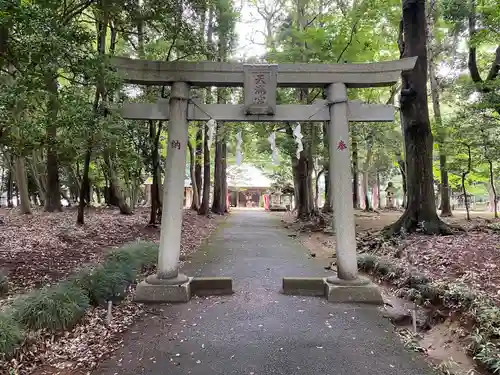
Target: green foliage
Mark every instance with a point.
(110, 280)
(52, 308)
(453, 10)
(138, 254)
(60, 306)
(107, 282)
(11, 334)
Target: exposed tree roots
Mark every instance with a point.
(410, 222)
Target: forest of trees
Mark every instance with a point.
(60, 136)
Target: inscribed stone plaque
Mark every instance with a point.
(260, 89)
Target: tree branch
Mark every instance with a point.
(351, 37)
(495, 66)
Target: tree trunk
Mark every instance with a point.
(53, 193)
(84, 197)
(205, 202)
(198, 162)
(220, 196)
(327, 207)
(466, 199)
(304, 208)
(218, 202)
(402, 170)
(445, 204)
(39, 175)
(355, 173)
(379, 205)
(10, 185)
(366, 168)
(22, 186)
(156, 198)
(472, 60)
(192, 166)
(366, 187)
(421, 208)
(224, 175)
(492, 183)
(114, 185)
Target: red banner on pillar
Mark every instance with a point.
(266, 202)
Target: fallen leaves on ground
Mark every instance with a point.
(43, 248)
(81, 348)
(471, 257)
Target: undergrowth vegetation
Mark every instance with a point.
(454, 297)
(61, 306)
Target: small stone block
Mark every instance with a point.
(159, 293)
(304, 286)
(211, 286)
(367, 293)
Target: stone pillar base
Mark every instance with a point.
(360, 290)
(154, 290)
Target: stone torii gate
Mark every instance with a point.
(260, 82)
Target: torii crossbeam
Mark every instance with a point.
(316, 112)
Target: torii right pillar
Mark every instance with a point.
(347, 285)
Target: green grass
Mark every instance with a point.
(120, 269)
(11, 334)
(138, 254)
(53, 308)
(59, 307)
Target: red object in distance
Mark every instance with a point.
(266, 202)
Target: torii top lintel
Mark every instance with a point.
(207, 73)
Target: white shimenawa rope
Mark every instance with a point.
(239, 155)
(272, 141)
(298, 139)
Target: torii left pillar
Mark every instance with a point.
(168, 285)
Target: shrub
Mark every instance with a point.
(367, 262)
(111, 280)
(458, 296)
(106, 282)
(11, 334)
(140, 254)
(53, 308)
(59, 307)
